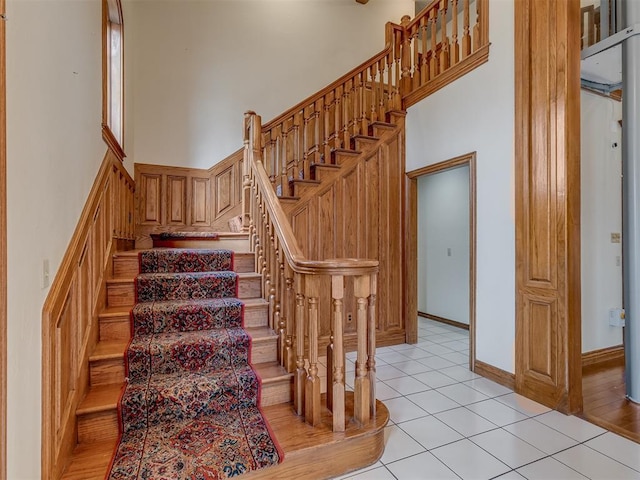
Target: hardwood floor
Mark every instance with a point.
(605, 404)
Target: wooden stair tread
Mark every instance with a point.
(100, 398)
(346, 151)
(110, 312)
(271, 372)
(90, 461)
(125, 280)
(259, 334)
(109, 349)
(254, 302)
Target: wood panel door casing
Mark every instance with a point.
(411, 248)
(547, 200)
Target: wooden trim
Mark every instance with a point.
(3, 247)
(496, 374)
(112, 143)
(448, 76)
(111, 13)
(447, 321)
(412, 233)
(547, 200)
(69, 314)
(603, 355)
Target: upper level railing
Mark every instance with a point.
(445, 40)
(599, 20)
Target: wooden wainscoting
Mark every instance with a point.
(357, 213)
(69, 315)
(175, 199)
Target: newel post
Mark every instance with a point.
(405, 81)
(251, 131)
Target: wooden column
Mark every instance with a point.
(548, 344)
(301, 372)
(312, 388)
(336, 373)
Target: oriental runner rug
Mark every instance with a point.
(190, 407)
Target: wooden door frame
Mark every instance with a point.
(3, 245)
(547, 200)
(411, 258)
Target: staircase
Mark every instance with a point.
(97, 415)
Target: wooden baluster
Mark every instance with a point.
(273, 279)
(344, 110)
(321, 132)
(390, 87)
(290, 309)
(476, 27)
(355, 105)
(373, 104)
(328, 131)
(307, 139)
(381, 95)
(415, 39)
(398, 74)
(336, 386)
(405, 82)
(455, 48)
(433, 60)
(312, 390)
(329, 366)
(444, 39)
(294, 140)
(466, 38)
(301, 373)
(266, 261)
(285, 171)
(281, 308)
(347, 106)
(359, 111)
(362, 387)
(338, 116)
(424, 65)
(259, 231)
(371, 344)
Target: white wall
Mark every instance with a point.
(476, 113)
(54, 150)
(443, 244)
(196, 66)
(601, 215)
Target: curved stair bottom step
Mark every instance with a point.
(309, 453)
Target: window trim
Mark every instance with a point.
(112, 14)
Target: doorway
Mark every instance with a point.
(446, 264)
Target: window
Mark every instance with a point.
(112, 77)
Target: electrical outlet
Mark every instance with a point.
(616, 317)
(45, 273)
(349, 318)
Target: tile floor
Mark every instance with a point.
(448, 423)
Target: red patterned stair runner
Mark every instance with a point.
(190, 407)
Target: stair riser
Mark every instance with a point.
(98, 427)
(273, 393)
(105, 372)
(123, 294)
(127, 266)
(363, 144)
(119, 328)
(341, 157)
(299, 189)
(256, 316)
(115, 328)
